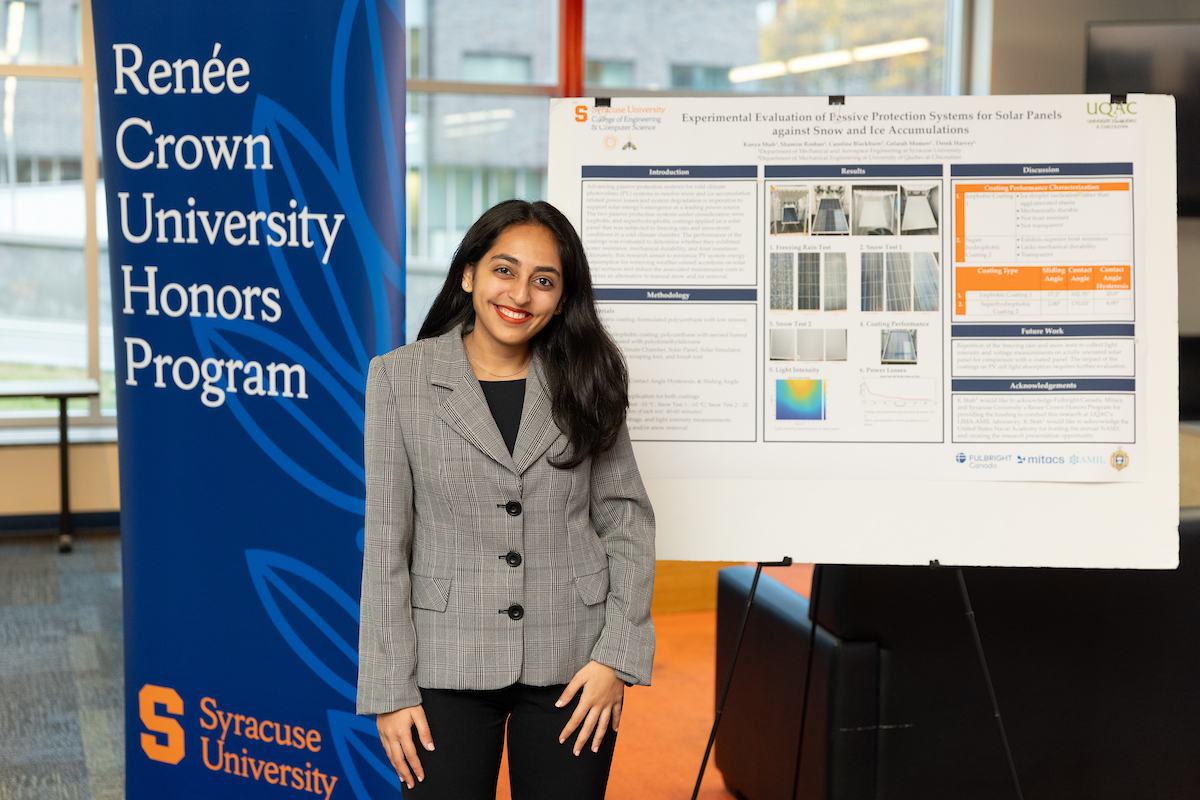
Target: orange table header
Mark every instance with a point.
(1042, 187)
(1039, 278)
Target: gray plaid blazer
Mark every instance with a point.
(438, 578)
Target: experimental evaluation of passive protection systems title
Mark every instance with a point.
(856, 123)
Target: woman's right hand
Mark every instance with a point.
(395, 731)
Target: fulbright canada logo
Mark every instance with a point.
(982, 461)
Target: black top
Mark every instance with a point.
(505, 399)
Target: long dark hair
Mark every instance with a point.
(585, 372)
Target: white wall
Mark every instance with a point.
(1038, 48)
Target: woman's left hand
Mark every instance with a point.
(599, 703)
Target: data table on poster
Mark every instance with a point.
(1044, 250)
(1054, 255)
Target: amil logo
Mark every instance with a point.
(1111, 109)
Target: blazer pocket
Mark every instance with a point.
(432, 594)
(593, 588)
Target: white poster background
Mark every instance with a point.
(902, 491)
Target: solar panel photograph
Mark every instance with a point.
(919, 209)
(834, 283)
(830, 216)
(899, 346)
(789, 211)
(874, 210)
(872, 281)
(783, 291)
(925, 282)
(783, 344)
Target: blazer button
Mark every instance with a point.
(515, 611)
(513, 508)
(513, 558)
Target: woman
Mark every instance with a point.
(509, 553)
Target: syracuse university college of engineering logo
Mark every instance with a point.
(271, 753)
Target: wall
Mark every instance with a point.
(1038, 48)
(29, 477)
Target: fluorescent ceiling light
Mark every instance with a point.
(757, 72)
(889, 49)
(16, 25)
(836, 58)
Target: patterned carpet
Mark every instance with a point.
(61, 663)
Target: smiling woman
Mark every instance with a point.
(501, 478)
(516, 289)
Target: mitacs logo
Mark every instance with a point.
(1041, 460)
(162, 711)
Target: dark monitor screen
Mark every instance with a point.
(1154, 58)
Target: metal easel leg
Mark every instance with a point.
(987, 677)
(712, 736)
(815, 605)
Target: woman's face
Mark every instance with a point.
(516, 288)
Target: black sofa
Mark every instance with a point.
(1097, 674)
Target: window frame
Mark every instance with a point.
(84, 73)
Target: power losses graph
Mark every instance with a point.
(899, 391)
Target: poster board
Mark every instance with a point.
(893, 330)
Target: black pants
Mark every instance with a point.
(468, 731)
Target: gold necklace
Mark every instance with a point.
(494, 375)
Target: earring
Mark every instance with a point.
(466, 286)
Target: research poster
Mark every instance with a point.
(929, 303)
(253, 166)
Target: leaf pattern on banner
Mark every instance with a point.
(345, 729)
(212, 341)
(336, 355)
(308, 441)
(270, 572)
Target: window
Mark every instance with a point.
(610, 73)
(479, 68)
(499, 43)
(782, 47)
(22, 32)
(51, 324)
(703, 79)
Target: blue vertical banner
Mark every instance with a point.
(254, 173)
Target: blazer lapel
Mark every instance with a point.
(465, 409)
(538, 430)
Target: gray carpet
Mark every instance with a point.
(61, 665)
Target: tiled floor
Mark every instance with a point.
(61, 690)
(61, 693)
